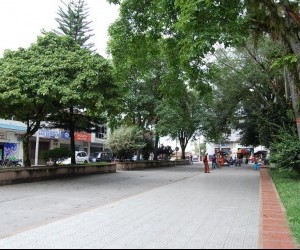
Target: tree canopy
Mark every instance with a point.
(41, 83)
(73, 21)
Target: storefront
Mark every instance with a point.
(83, 142)
(47, 139)
(11, 146)
(55, 138)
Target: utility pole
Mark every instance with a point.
(37, 143)
(199, 148)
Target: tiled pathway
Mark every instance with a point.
(220, 210)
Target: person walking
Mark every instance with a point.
(206, 165)
(191, 159)
(214, 162)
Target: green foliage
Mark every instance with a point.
(56, 154)
(73, 22)
(286, 151)
(149, 147)
(287, 60)
(125, 141)
(138, 71)
(42, 82)
(180, 117)
(165, 152)
(248, 96)
(187, 31)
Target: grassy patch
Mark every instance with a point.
(288, 186)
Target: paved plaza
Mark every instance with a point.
(163, 208)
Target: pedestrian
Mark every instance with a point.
(191, 159)
(206, 165)
(214, 162)
(239, 161)
(222, 161)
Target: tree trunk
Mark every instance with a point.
(155, 158)
(72, 136)
(138, 155)
(295, 98)
(183, 147)
(27, 161)
(31, 130)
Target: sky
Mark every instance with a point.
(21, 21)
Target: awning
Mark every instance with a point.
(13, 125)
(244, 151)
(262, 152)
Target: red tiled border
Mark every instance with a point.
(275, 233)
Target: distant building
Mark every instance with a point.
(233, 147)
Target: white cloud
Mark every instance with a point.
(21, 21)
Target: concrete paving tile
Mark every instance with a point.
(191, 211)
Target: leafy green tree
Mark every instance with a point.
(139, 71)
(200, 25)
(26, 90)
(147, 63)
(180, 117)
(87, 89)
(125, 141)
(73, 22)
(42, 83)
(249, 95)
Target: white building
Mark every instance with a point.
(233, 147)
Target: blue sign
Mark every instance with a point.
(51, 134)
(65, 135)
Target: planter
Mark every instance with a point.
(21, 175)
(129, 166)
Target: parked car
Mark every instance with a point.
(101, 157)
(81, 158)
(195, 158)
(135, 157)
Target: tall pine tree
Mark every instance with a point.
(73, 21)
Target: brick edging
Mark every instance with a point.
(274, 230)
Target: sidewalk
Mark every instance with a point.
(217, 210)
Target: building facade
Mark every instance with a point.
(48, 139)
(11, 145)
(233, 148)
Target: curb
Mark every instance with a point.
(274, 230)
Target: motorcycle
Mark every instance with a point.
(11, 163)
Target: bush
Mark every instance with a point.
(149, 147)
(165, 152)
(56, 154)
(125, 141)
(286, 151)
